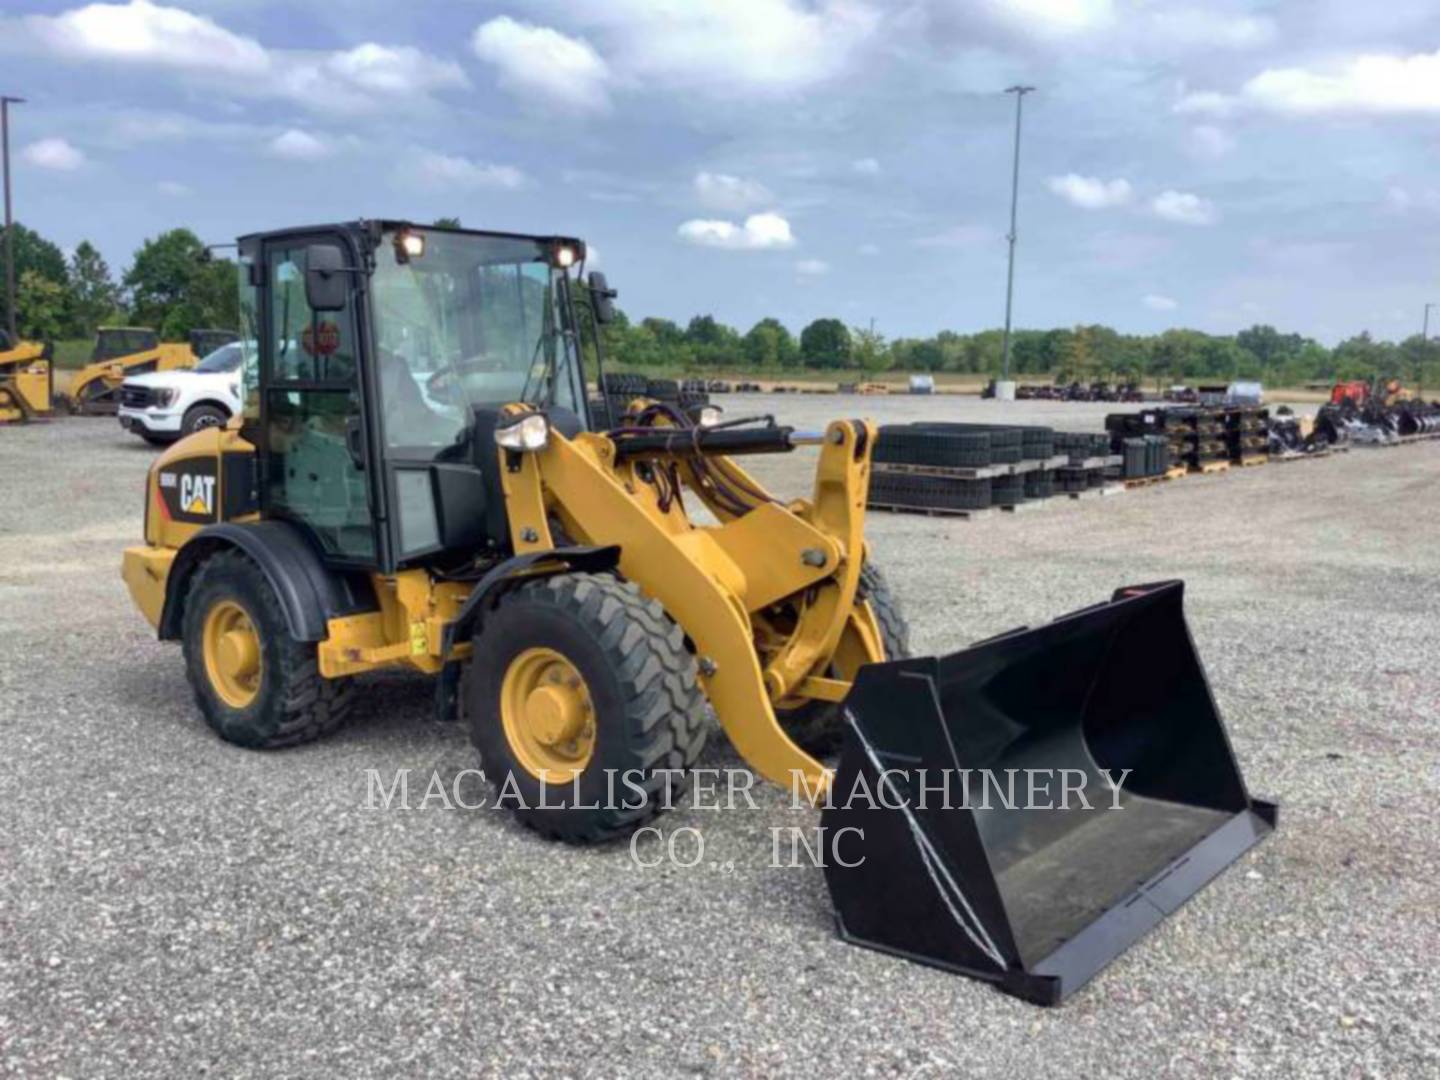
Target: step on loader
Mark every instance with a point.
(416, 483)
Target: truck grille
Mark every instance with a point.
(135, 397)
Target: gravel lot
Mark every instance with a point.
(170, 904)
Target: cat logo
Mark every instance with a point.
(189, 493)
(197, 494)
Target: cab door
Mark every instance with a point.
(313, 444)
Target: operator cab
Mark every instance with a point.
(386, 350)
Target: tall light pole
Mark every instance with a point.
(5, 103)
(1019, 92)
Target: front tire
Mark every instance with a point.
(255, 685)
(582, 696)
(199, 417)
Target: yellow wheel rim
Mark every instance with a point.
(548, 716)
(232, 654)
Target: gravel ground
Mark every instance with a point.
(170, 904)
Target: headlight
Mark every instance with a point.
(164, 397)
(529, 432)
(709, 415)
(564, 257)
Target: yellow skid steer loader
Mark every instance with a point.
(27, 380)
(416, 482)
(122, 351)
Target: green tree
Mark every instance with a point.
(43, 307)
(825, 343)
(447, 223)
(175, 285)
(868, 350)
(33, 253)
(96, 296)
(769, 344)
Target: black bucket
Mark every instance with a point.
(1033, 890)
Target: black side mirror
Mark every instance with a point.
(602, 298)
(327, 286)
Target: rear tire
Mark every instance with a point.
(285, 701)
(817, 727)
(199, 417)
(642, 718)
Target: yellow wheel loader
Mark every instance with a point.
(122, 351)
(417, 483)
(27, 380)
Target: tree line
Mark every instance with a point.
(173, 284)
(1076, 354)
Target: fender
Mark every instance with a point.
(309, 593)
(532, 564)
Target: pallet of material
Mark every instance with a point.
(1098, 492)
(1146, 481)
(1177, 472)
(953, 472)
(1251, 460)
(1210, 467)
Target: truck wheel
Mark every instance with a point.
(582, 697)
(256, 685)
(198, 417)
(817, 727)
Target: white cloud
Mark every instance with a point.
(1373, 83)
(174, 188)
(144, 33)
(812, 267)
(866, 166)
(1090, 192)
(759, 232)
(53, 153)
(1155, 302)
(1052, 17)
(297, 145)
(389, 70)
(720, 191)
(730, 47)
(446, 171)
(1206, 103)
(1209, 142)
(1185, 208)
(536, 61)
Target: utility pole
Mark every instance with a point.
(5, 103)
(1424, 349)
(1019, 91)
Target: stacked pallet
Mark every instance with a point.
(962, 468)
(1089, 465)
(1247, 439)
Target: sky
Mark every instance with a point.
(1210, 164)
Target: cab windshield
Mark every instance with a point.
(468, 320)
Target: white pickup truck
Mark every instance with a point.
(162, 406)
